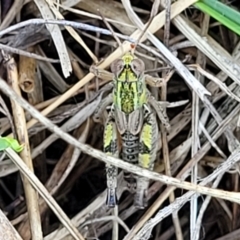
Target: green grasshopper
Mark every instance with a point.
(131, 128)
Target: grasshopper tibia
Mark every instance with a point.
(111, 200)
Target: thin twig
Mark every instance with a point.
(195, 133)
(110, 28)
(22, 136)
(27, 54)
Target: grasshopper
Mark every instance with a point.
(131, 128)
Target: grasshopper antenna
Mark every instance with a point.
(110, 29)
(153, 13)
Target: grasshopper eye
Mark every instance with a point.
(138, 66)
(117, 66)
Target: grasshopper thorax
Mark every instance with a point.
(129, 83)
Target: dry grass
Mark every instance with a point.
(195, 183)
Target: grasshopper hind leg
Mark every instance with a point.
(148, 143)
(111, 172)
(111, 148)
(140, 200)
(131, 181)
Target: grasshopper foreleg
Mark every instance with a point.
(160, 111)
(99, 112)
(158, 82)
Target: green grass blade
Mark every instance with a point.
(224, 9)
(232, 25)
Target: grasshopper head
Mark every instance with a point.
(128, 68)
(128, 58)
